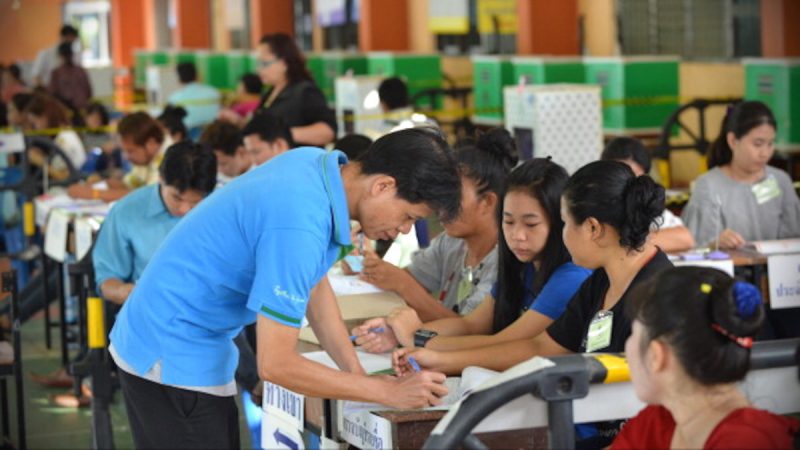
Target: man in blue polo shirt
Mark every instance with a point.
(134, 229)
(138, 223)
(258, 250)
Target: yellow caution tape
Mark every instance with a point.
(54, 131)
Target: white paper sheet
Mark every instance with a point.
(351, 285)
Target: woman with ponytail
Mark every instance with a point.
(741, 198)
(686, 365)
(454, 274)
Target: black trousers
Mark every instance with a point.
(171, 418)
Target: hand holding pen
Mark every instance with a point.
(412, 360)
(374, 336)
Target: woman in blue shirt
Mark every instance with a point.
(536, 279)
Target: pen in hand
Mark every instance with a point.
(414, 364)
(371, 330)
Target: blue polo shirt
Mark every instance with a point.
(557, 291)
(256, 247)
(131, 234)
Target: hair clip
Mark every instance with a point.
(744, 342)
(705, 288)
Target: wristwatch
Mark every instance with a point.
(422, 336)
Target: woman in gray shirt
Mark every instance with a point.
(742, 199)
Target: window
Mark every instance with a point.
(339, 24)
(486, 26)
(699, 29)
(237, 23)
(91, 20)
(303, 24)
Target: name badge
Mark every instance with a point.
(599, 335)
(766, 190)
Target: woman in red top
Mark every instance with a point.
(692, 332)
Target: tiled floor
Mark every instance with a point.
(50, 427)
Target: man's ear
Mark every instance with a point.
(489, 203)
(283, 144)
(382, 184)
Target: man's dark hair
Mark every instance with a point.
(187, 72)
(423, 166)
(353, 145)
(222, 136)
(393, 92)
(65, 51)
(627, 149)
(268, 127)
(252, 83)
(140, 128)
(68, 31)
(187, 165)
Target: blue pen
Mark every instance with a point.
(414, 364)
(371, 330)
